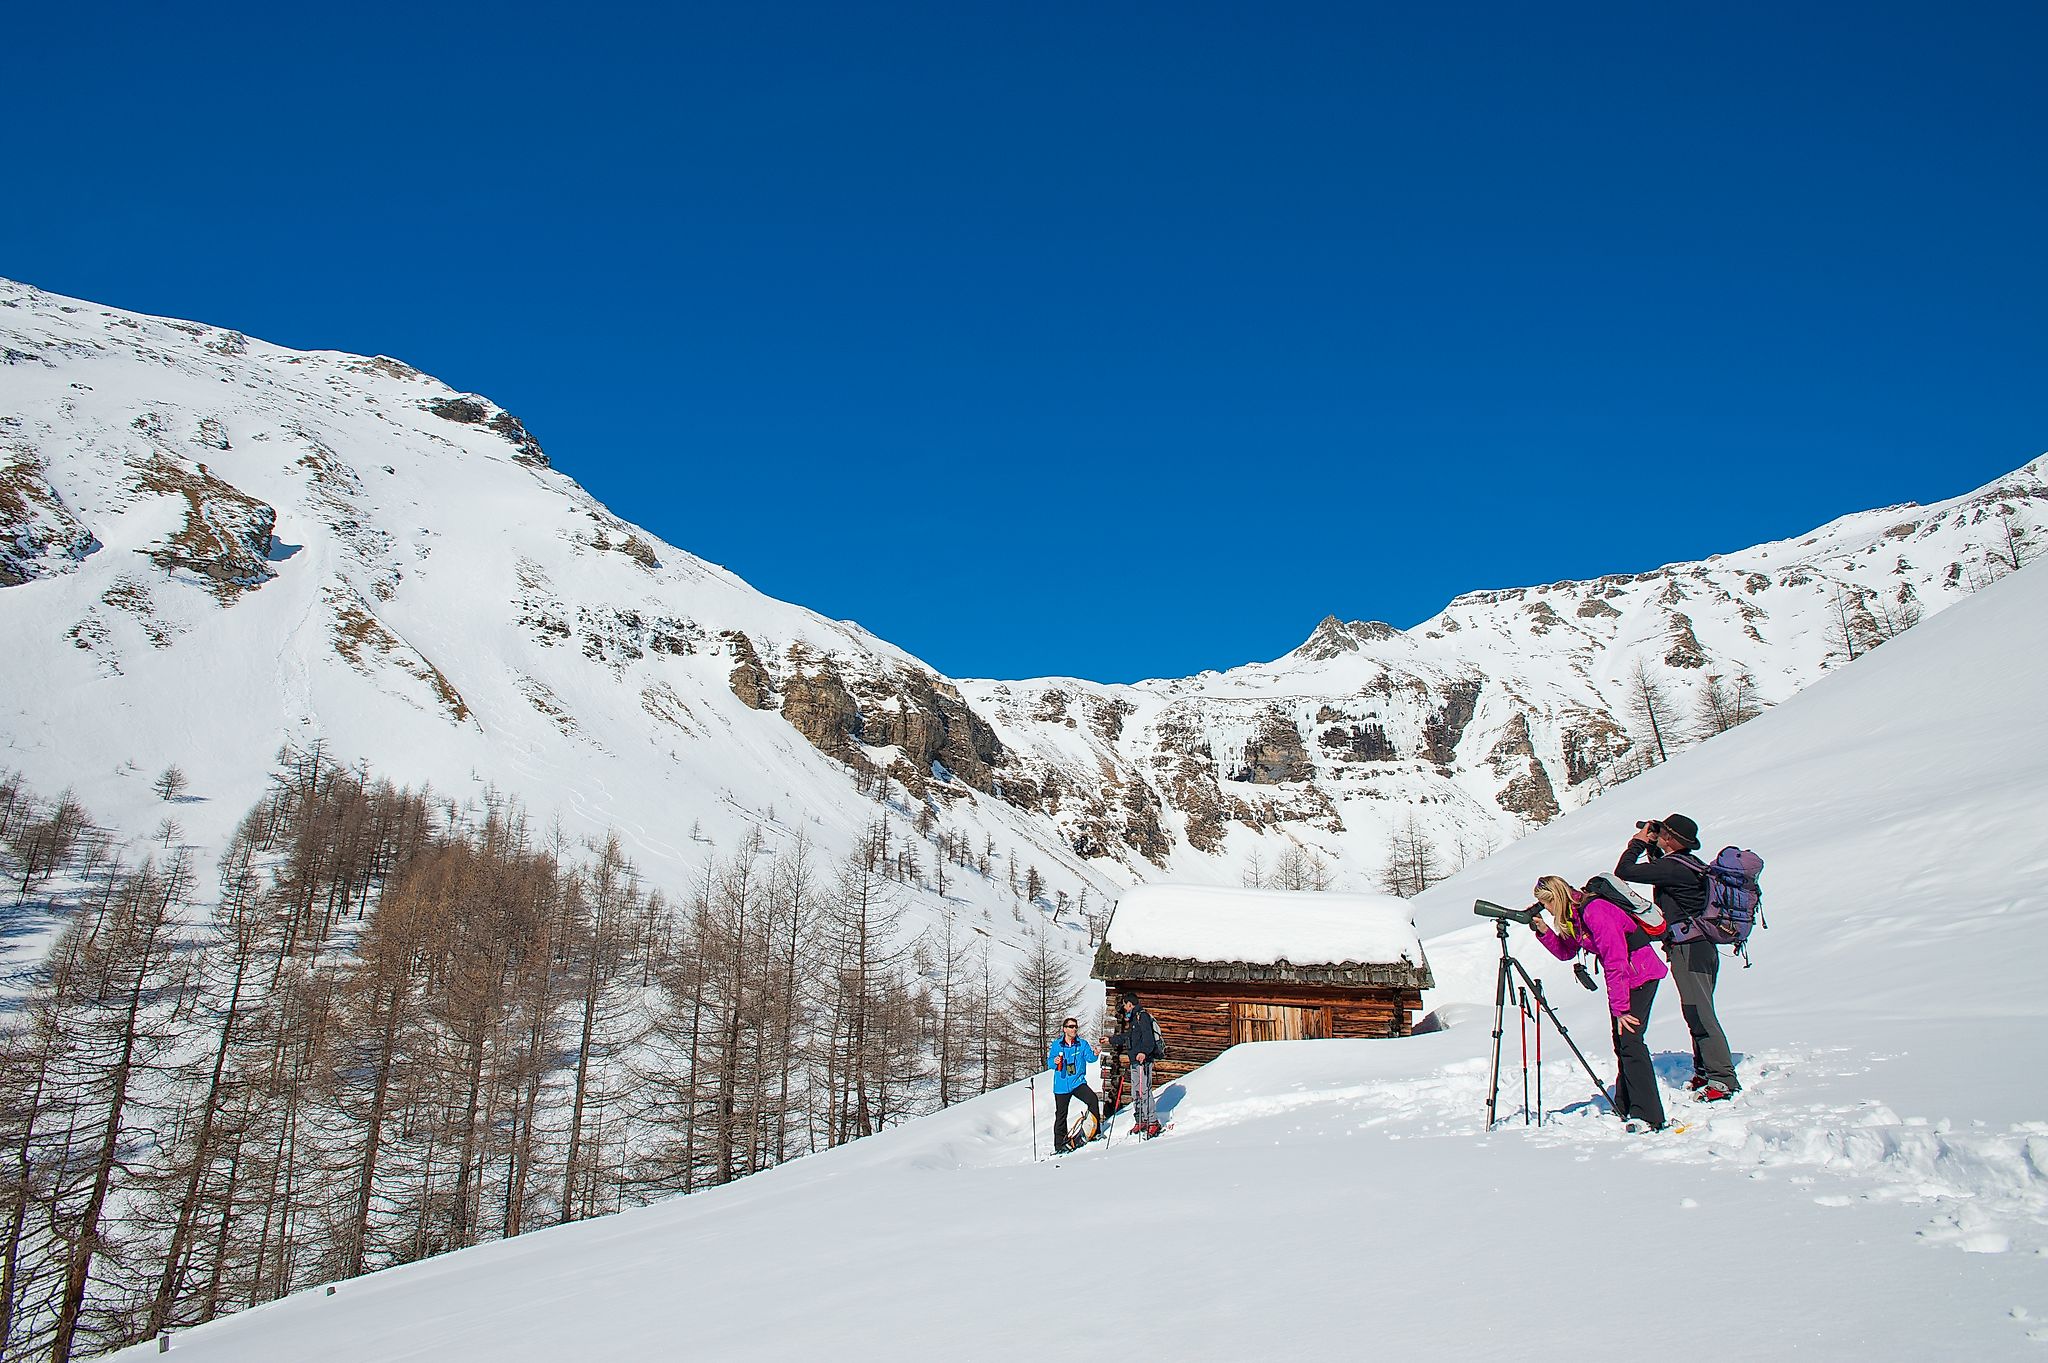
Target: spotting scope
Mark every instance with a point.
(1486, 908)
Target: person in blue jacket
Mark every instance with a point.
(1069, 1059)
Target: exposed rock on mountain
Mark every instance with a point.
(38, 533)
(210, 545)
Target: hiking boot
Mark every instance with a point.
(1696, 1083)
(1636, 1126)
(1152, 1130)
(1712, 1093)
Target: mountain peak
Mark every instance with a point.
(1333, 638)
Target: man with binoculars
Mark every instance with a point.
(1660, 855)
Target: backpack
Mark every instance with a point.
(1735, 901)
(1649, 918)
(1158, 1039)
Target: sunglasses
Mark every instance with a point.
(1070, 1026)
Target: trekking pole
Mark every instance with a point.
(1524, 1011)
(1109, 1113)
(1539, 1060)
(1034, 1119)
(1545, 1010)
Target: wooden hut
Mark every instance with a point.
(1218, 966)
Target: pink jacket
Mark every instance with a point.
(1603, 929)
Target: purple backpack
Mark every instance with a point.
(1735, 901)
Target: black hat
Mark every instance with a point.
(1686, 830)
(1128, 996)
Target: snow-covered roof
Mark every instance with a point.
(1262, 927)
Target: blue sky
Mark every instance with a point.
(1109, 340)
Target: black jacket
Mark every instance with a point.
(1677, 880)
(1140, 1035)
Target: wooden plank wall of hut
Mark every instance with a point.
(1196, 1019)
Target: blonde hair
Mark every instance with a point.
(1556, 893)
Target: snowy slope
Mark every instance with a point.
(1879, 1191)
(220, 546)
(210, 546)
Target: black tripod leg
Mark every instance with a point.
(1500, 1002)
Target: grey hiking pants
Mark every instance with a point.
(1694, 967)
(1141, 1092)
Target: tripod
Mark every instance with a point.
(1502, 983)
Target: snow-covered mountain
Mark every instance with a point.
(1497, 713)
(1878, 1191)
(211, 546)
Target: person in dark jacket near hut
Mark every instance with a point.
(1660, 855)
(1069, 1059)
(1580, 922)
(1138, 1040)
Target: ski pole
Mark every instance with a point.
(1539, 1061)
(1034, 1119)
(1524, 1010)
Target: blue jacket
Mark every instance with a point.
(1069, 1062)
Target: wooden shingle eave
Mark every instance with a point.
(1125, 967)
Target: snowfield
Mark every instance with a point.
(1878, 1191)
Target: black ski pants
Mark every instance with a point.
(1059, 1112)
(1635, 1082)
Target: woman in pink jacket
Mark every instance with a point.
(1631, 968)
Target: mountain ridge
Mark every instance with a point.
(213, 545)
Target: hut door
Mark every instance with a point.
(1277, 1022)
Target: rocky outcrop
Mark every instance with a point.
(615, 636)
(225, 534)
(1684, 650)
(932, 725)
(1187, 770)
(1591, 741)
(844, 713)
(1106, 715)
(1445, 729)
(1366, 742)
(1528, 791)
(817, 705)
(749, 679)
(1276, 754)
(1543, 617)
(471, 410)
(1333, 638)
(39, 536)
